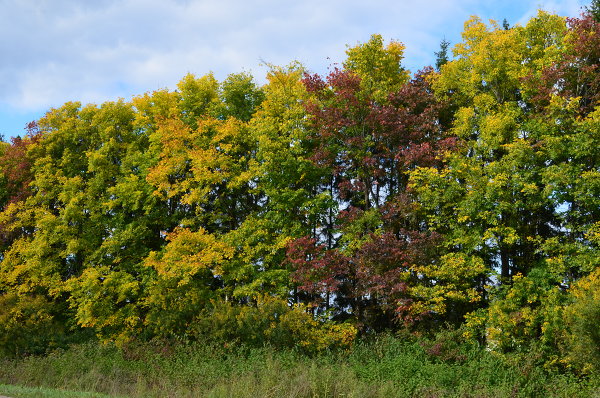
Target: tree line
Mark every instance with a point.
(318, 208)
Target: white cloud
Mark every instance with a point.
(59, 50)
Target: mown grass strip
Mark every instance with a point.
(41, 392)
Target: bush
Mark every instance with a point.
(528, 311)
(28, 325)
(270, 322)
(582, 316)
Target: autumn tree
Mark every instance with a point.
(370, 126)
(506, 197)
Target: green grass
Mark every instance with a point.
(41, 392)
(387, 367)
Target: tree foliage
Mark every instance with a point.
(313, 208)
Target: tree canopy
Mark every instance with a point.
(316, 208)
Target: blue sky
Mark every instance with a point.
(54, 51)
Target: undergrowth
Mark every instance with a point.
(381, 367)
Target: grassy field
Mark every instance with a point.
(387, 367)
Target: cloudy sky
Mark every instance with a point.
(53, 51)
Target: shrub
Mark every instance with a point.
(28, 325)
(270, 321)
(582, 317)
